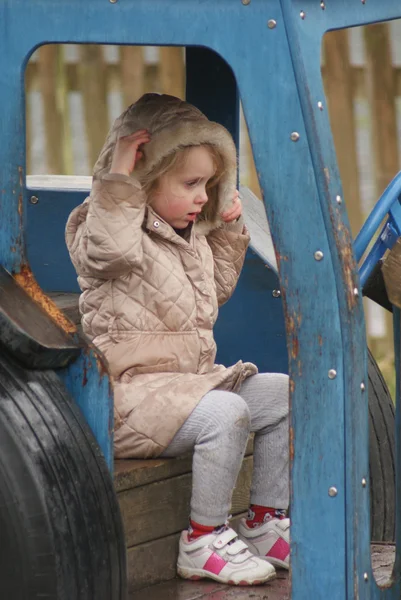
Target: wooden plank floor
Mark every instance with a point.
(279, 589)
(382, 561)
(207, 590)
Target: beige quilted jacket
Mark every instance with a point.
(150, 297)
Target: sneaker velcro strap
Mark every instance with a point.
(224, 538)
(284, 524)
(236, 547)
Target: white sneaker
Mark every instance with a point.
(223, 557)
(270, 540)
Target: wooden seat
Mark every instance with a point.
(68, 303)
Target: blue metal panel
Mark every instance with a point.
(251, 325)
(87, 381)
(86, 378)
(46, 250)
(211, 86)
(338, 14)
(273, 112)
(305, 40)
(12, 157)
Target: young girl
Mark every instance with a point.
(158, 246)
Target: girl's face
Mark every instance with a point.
(181, 193)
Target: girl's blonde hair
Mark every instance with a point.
(175, 161)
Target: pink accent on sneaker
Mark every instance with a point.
(279, 550)
(214, 564)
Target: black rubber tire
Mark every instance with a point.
(60, 527)
(381, 456)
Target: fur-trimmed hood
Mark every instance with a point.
(173, 124)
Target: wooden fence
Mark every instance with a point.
(94, 79)
(378, 81)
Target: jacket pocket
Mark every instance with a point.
(165, 367)
(149, 352)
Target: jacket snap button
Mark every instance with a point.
(156, 224)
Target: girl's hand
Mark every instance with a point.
(127, 153)
(233, 213)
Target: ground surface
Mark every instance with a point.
(207, 590)
(382, 560)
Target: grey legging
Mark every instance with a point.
(218, 430)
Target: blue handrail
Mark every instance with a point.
(389, 203)
(390, 195)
